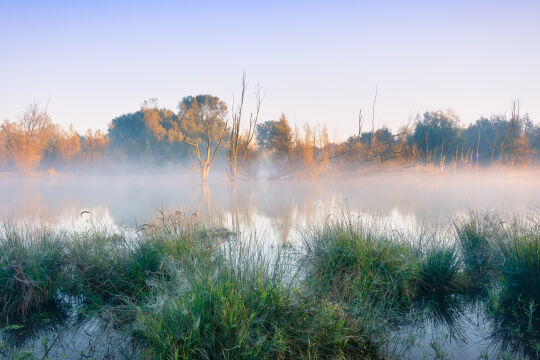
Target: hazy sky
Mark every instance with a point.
(318, 62)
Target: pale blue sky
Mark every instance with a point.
(319, 62)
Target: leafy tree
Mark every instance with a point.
(151, 133)
(499, 139)
(25, 141)
(204, 125)
(437, 134)
(275, 137)
(94, 146)
(64, 146)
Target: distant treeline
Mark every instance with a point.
(202, 130)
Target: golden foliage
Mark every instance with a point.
(26, 140)
(94, 146)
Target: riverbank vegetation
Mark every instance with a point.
(183, 289)
(203, 130)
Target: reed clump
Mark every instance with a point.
(478, 236)
(31, 267)
(192, 290)
(107, 267)
(439, 273)
(242, 304)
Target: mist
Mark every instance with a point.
(402, 199)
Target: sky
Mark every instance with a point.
(317, 62)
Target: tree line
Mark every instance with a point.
(202, 130)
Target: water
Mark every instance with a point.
(456, 329)
(277, 211)
(276, 207)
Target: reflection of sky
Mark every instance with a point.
(467, 337)
(319, 61)
(280, 209)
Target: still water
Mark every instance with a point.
(276, 211)
(277, 208)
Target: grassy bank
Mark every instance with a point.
(186, 290)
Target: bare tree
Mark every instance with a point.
(373, 136)
(239, 143)
(360, 120)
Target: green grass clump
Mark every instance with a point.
(120, 266)
(513, 303)
(521, 268)
(439, 273)
(346, 263)
(239, 305)
(477, 237)
(110, 266)
(31, 265)
(350, 263)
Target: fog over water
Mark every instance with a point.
(275, 207)
(277, 210)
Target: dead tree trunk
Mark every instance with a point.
(239, 143)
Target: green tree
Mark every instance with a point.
(150, 133)
(436, 135)
(203, 122)
(275, 137)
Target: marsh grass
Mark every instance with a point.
(240, 303)
(348, 262)
(40, 264)
(111, 266)
(31, 264)
(479, 236)
(515, 309)
(192, 290)
(521, 268)
(439, 273)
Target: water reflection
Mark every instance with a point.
(277, 207)
(455, 327)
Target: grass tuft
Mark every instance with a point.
(238, 304)
(31, 264)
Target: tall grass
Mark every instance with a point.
(439, 273)
(195, 291)
(31, 263)
(347, 262)
(521, 267)
(239, 303)
(479, 236)
(112, 266)
(514, 299)
(39, 264)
